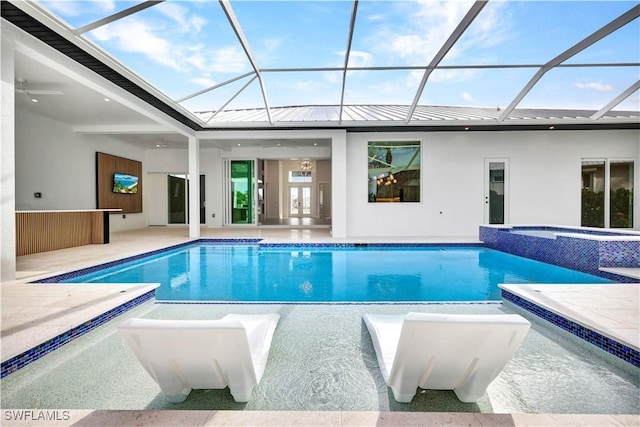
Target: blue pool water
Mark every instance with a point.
(333, 274)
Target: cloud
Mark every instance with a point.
(271, 44)
(454, 75)
(425, 25)
(600, 87)
(154, 41)
(138, 36)
(467, 97)
(305, 85)
(66, 8)
(378, 17)
(227, 59)
(359, 58)
(429, 25)
(181, 16)
(269, 48)
(202, 81)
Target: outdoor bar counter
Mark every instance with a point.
(41, 231)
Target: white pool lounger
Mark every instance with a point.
(181, 355)
(459, 352)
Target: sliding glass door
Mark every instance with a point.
(607, 193)
(178, 199)
(593, 184)
(242, 191)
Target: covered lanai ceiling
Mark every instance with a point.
(374, 63)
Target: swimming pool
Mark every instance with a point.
(331, 273)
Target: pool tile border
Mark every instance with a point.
(73, 274)
(492, 302)
(20, 361)
(607, 344)
(367, 245)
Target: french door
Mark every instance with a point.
(299, 201)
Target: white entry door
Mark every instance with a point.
(496, 191)
(299, 201)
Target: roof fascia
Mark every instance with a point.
(48, 29)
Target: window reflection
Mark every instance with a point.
(394, 171)
(621, 203)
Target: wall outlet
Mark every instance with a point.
(123, 216)
(213, 215)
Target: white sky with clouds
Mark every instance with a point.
(184, 46)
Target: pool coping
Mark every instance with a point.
(548, 307)
(69, 324)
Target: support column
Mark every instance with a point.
(7, 159)
(194, 187)
(338, 187)
(636, 186)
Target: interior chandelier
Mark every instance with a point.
(386, 180)
(306, 165)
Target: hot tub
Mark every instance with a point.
(580, 248)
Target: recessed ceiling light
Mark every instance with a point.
(238, 144)
(157, 145)
(552, 127)
(315, 143)
(107, 100)
(34, 100)
(466, 128)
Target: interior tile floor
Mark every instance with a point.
(26, 324)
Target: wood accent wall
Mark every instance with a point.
(48, 231)
(106, 166)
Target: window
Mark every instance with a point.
(607, 193)
(394, 171)
(300, 176)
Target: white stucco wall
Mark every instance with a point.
(544, 178)
(61, 165)
(164, 161)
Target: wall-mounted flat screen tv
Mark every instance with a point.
(124, 183)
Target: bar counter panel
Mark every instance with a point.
(42, 231)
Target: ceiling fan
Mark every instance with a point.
(35, 92)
